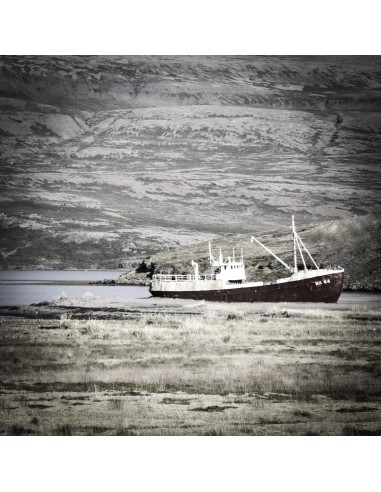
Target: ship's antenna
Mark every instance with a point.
(210, 253)
(241, 255)
(233, 255)
(220, 258)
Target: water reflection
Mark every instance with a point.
(21, 287)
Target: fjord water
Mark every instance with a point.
(22, 287)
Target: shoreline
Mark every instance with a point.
(118, 308)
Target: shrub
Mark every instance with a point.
(235, 317)
(64, 430)
(66, 322)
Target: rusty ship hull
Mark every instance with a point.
(324, 288)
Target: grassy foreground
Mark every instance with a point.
(186, 368)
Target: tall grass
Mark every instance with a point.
(132, 376)
(91, 327)
(214, 353)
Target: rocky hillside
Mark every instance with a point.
(109, 159)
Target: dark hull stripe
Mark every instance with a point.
(316, 289)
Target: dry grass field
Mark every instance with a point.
(155, 367)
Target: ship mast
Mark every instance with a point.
(294, 236)
(211, 259)
(298, 243)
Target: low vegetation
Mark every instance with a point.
(197, 369)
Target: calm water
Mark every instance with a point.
(20, 287)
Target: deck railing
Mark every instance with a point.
(182, 278)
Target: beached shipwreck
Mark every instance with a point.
(226, 281)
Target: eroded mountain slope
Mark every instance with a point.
(109, 158)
